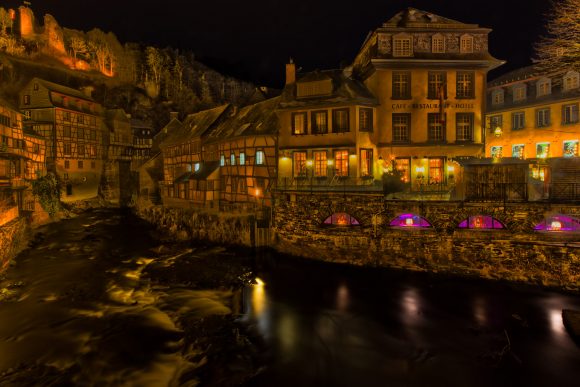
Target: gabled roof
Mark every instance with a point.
(257, 119)
(416, 18)
(205, 171)
(171, 127)
(62, 89)
(194, 125)
(345, 90)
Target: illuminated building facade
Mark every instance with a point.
(72, 124)
(22, 159)
(414, 97)
(532, 115)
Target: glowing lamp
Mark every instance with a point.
(309, 163)
(409, 222)
(451, 169)
(258, 192)
(330, 163)
(556, 225)
(497, 131)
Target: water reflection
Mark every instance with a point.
(480, 311)
(410, 306)
(342, 298)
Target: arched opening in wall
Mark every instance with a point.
(481, 222)
(410, 221)
(341, 219)
(559, 223)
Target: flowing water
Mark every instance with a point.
(98, 301)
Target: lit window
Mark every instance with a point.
(519, 93)
(403, 166)
(341, 162)
(320, 164)
(300, 164)
(196, 167)
(570, 114)
(464, 126)
(402, 46)
(436, 171)
(401, 127)
(497, 97)
(436, 127)
(518, 120)
(26, 100)
(341, 219)
(437, 86)
(259, 157)
(319, 122)
(466, 44)
(410, 220)
(242, 158)
(401, 87)
(571, 148)
(365, 123)
(437, 44)
(542, 117)
(543, 150)
(298, 123)
(481, 222)
(233, 159)
(340, 118)
(366, 162)
(222, 161)
(518, 151)
(543, 87)
(464, 84)
(497, 152)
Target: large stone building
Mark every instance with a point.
(414, 97)
(73, 126)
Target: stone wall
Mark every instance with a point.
(517, 253)
(200, 224)
(13, 239)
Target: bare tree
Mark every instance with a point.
(560, 49)
(5, 20)
(78, 45)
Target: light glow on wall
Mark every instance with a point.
(341, 219)
(559, 223)
(481, 222)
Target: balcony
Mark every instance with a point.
(336, 183)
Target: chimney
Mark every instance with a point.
(290, 72)
(173, 116)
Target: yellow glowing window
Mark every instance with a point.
(341, 162)
(320, 164)
(299, 163)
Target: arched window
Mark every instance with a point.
(410, 220)
(341, 219)
(481, 222)
(559, 223)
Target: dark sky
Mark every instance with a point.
(252, 39)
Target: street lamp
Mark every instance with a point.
(309, 164)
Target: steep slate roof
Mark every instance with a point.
(171, 127)
(62, 89)
(520, 74)
(257, 119)
(416, 18)
(194, 125)
(345, 90)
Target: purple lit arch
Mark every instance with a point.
(559, 223)
(341, 219)
(411, 221)
(482, 222)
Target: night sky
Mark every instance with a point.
(253, 39)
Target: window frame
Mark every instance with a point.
(543, 120)
(515, 93)
(522, 121)
(342, 163)
(466, 44)
(402, 85)
(260, 157)
(314, 125)
(299, 164)
(546, 84)
(304, 116)
(370, 127)
(439, 47)
(573, 116)
(430, 127)
(434, 85)
(320, 163)
(407, 117)
(402, 46)
(470, 128)
(369, 162)
(467, 80)
(498, 97)
(335, 113)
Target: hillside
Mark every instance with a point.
(146, 81)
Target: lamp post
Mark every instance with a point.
(309, 164)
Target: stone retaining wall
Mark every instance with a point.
(14, 238)
(517, 253)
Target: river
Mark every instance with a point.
(101, 300)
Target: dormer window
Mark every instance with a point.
(571, 81)
(497, 97)
(403, 45)
(466, 44)
(543, 87)
(519, 93)
(314, 88)
(437, 44)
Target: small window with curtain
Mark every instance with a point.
(298, 123)
(366, 162)
(365, 120)
(465, 87)
(340, 121)
(401, 127)
(320, 164)
(299, 164)
(436, 130)
(319, 122)
(436, 175)
(341, 162)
